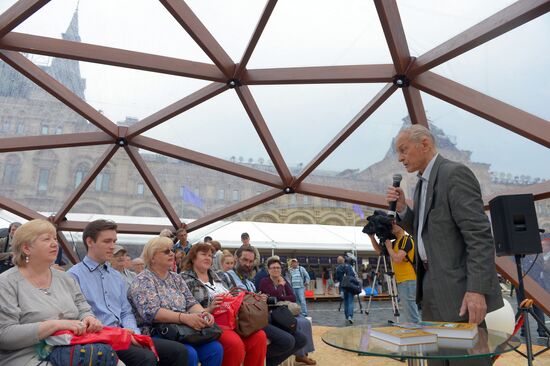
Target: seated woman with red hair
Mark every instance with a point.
(207, 287)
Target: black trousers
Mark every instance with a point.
(170, 354)
(283, 344)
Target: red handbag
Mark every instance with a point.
(118, 338)
(226, 314)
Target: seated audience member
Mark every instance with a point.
(167, 233)
(36, 300)
(5, 247)
(105, 290)
(283, 344)
(118, 262)
(216, 254)
(138, 265)
(275, 285)
(160, 296)
(208, 290)
(182, 242)
(227, 262)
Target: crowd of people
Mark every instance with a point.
(172, 282)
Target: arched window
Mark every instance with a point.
(81, 171)
(11, 170)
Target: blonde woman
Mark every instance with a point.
(36, 300)
(159, 295)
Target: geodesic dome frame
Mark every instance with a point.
(406, 74)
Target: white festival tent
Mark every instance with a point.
(309, 238)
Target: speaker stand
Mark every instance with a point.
(525, 308)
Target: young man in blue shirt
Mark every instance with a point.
(105, 290)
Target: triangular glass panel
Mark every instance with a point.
(118, 192)
(28, 110)
(429, 23)
(365, 161)
(5, 5)
(195, 191)
(123, 95)
(219, 127)
(232, 24)
(502, 162)
(518, 78)
(313, 33)
(43, 179)
(141, 26)
(306, 117)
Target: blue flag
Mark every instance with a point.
(189, 196)
(357, 209)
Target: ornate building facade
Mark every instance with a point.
(43, 179)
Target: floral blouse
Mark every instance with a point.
(148, 293)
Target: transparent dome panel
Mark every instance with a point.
(366, 160)
(232, 24)
(429, 23)
(321, 33)
(42, 180)
(28, 110)
(123, 95)
(306, 117)
(142, 26)
(500, 159)
(115, 193)
(517, 78)
(195, 191)
(219, 127)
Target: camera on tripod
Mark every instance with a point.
(381, 224)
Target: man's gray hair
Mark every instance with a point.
(418, 132)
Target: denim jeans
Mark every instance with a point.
(407, 301)
(348, 304)
(300, 293)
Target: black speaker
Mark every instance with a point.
(515, 225)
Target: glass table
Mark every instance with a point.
(488, 343)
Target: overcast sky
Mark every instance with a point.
(303, 118)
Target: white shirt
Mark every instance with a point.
(425, 177)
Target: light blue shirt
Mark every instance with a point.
(105, 290)
(298, 277)
(243, 283)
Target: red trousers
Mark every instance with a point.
(248, 351)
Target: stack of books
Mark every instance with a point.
(445, 334)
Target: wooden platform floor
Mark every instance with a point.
(330, 356)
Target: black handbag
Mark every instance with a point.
(283, 319)
(351, 284)
(185, 334)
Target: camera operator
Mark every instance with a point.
(401, 252)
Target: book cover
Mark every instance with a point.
(403, 336)
(450, 329)
(424, 348)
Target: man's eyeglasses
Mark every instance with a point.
(168, 251)
(275, 268)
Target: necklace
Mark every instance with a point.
(46, 291)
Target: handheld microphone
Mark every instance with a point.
(396, 183)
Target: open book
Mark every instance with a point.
(402, 336)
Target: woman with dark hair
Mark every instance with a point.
(208, 289)
(275, 285)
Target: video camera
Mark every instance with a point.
(381, 224)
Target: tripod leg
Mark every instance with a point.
(392, 290)
(372, 286)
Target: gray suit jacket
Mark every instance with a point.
(457, 238)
